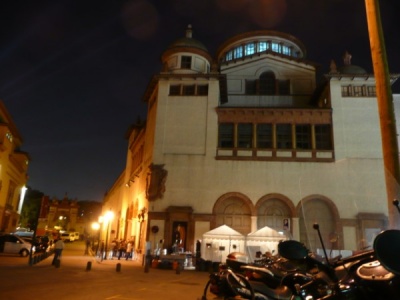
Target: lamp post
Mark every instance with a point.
(107, 218)
(387, 120)
(95, 228)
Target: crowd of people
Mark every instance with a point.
(118, 249)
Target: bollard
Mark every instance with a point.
(88, 266)
(118, 268)
(178, 268)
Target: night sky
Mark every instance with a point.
(73, 72)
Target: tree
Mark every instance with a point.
(30, 209)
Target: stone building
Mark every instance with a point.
(248, 138)
(13, 172)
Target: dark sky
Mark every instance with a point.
(73, 72)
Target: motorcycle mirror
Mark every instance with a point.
(292, 249)
(387, 249)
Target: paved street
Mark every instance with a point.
(19, 280)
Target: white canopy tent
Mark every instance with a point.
(264, 240)
(221, 241)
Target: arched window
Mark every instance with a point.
(267, 83)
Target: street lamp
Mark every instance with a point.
(107, 218)
(95, 228)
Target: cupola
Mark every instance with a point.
(186, 55)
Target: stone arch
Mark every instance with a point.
(235, 210)
(319, 209)
(272, 209)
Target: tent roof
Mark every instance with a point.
(266, 232)
(223, 231)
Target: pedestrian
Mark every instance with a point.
(87, 246)
(129, 250)
(121, 249)
(58, 248)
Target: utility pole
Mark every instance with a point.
(386, 109)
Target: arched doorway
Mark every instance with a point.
(235, 211)
(274, 211)
(319, 210)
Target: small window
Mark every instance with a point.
(174, 90)
(238, 52)
(323, 139)
(303, 136)
(249, 49)
(358, 91)
(186, 62)
(188, 90)
(284, 136)
(275, 47)
(245, 135)
(251, 87)
(371, 91)
(225, 135)
(202, 90)
(264, 136)
(262, 46)
(346, 91)
(229, 56)
(286, 50)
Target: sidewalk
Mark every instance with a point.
(82, 277)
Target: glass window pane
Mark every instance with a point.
(262, 46)
(323, 140)
(175, 90)
(303, 136)
(249, 49)
(186, 62)
(225, 135)
(188, 90)
(264, 136)
(245, 135)
(284, 136)
(238, 52)
(202, 90)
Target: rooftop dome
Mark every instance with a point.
(187, 42)
(348, 68)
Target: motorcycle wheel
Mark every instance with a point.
(240, 286)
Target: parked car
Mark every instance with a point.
(13, 244)
(24, 233)
(77, 236)
(41, 243)
(68, 236)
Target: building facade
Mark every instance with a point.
(13, 172)
(248, 139)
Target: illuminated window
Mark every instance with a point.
(262, 46)
(249, 49)
(238, 52)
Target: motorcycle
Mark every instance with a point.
(298, 273)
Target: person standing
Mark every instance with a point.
(58, 248)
